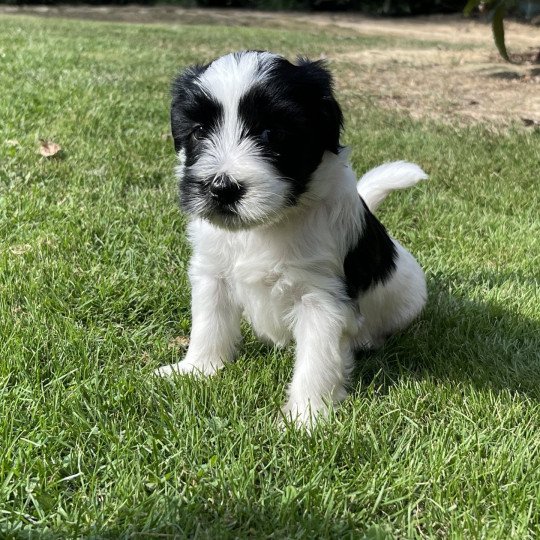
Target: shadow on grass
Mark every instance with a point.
(459, 340)
(246, 523)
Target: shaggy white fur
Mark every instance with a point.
(285, 274)
(287, 280)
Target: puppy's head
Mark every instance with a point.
(251, 128)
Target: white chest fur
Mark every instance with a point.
(260, 275)
(267, 270)
(267, 292)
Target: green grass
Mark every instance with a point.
(441, 435)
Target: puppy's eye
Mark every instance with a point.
(269, 136)
(198, 133)
(265, 135)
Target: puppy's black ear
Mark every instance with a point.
(182, 92)
(327, 109)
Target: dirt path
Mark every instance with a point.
(464, 84)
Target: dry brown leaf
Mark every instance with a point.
(16, 309)
(179, 342)
(20, 249)
(49, 148)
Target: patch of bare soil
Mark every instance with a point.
(461, 79)
(454, 86)
(461, 85)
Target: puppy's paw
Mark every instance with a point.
(303, 415)
(195, 369)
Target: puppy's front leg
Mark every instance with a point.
(215, 328)
(323, 356)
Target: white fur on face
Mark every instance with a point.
(229, 78)
(229, 151)
(239, 158)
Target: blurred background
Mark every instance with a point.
(525, 9)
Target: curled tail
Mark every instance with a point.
(376, 184)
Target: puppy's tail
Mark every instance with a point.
(376, 184)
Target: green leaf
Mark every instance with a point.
(497, 25)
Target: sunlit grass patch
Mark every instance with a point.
(440, 435)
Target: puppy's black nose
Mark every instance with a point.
(225, 190)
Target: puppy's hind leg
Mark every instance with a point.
(392, 306)
(215, 329)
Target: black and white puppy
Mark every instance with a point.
(281, 232)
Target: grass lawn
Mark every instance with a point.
(441, 435)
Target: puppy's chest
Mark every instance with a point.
(267, 289)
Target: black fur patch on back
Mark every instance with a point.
(372, 259)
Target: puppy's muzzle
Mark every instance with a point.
(225, 190)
